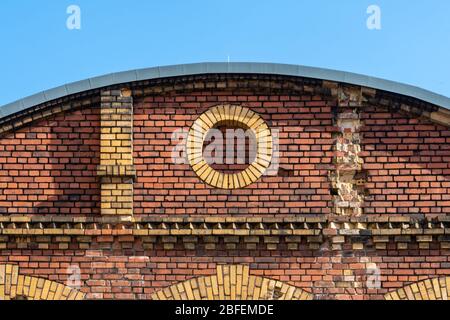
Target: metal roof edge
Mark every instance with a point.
(224, 68)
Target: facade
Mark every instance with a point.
(347, 198)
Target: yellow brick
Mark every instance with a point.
(72, 295)
(108, 150)
(20, 283)
(123, 150)
(2, 274)
(66, 293)
(105, 205)
(109, 211)
(125, 211)
(107, 136)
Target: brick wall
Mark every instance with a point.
(284, 230)
(407, 161)
(305, 136)
(130, 272)
(50, 167)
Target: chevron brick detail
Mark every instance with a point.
(430, 289)
(232, 282)
(14, 286)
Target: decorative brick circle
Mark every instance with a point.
(237, 116)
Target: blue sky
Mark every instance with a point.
(38, 52)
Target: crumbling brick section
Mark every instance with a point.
(348, 178)
(116, 167)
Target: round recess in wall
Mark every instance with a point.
(229, 116)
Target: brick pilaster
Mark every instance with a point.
(116, 168)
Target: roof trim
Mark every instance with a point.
(223, 68)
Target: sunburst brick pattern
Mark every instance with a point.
(232, 115)
(232, 282)
(14, 286)
(430, 289)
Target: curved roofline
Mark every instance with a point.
(224, 68)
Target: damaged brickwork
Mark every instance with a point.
(347, 178)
